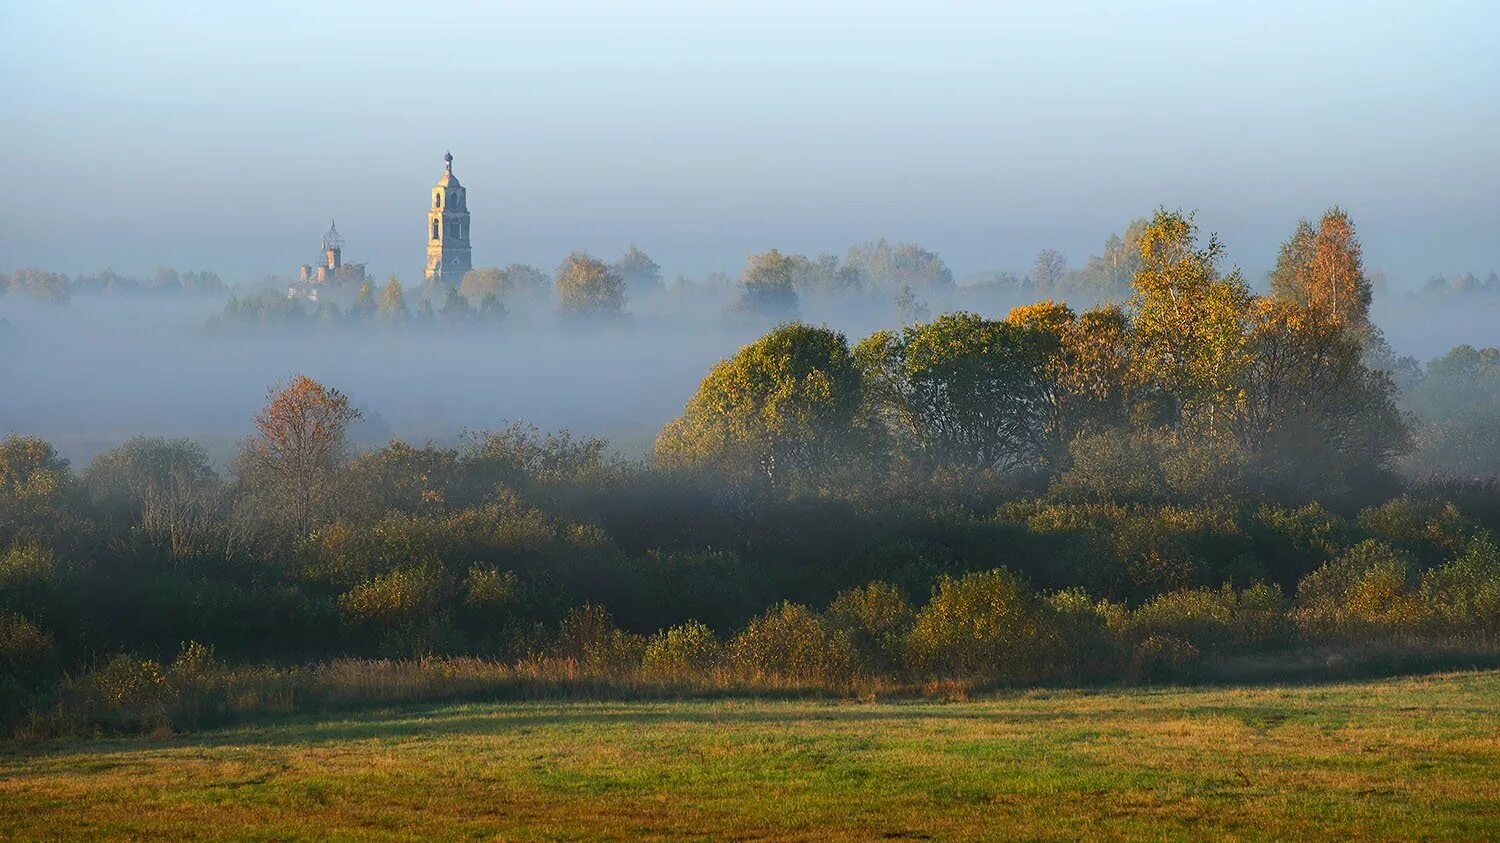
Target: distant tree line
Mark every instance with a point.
(56, 288)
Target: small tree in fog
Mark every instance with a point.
(641, 274)
(456, 309)
(391, 308)
(589, 288)
(364, 303)
(1048, 270)
(766, 286)
(299, 442)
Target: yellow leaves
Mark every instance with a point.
(1044, 315)
(778, 404)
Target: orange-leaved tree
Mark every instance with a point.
(299, 443)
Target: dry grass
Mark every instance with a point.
(1394, 759)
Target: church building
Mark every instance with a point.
(448, 255)
(330, 267)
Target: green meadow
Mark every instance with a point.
(1389, 759)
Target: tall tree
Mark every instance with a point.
(164, 486)
(517, 286)
(1188, 324)
(1107, 276)
(363, 307)
(1313, 418)
(456, 310)
(299, 443)
(1322, 268)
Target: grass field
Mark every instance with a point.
(1405, 758)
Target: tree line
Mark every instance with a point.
(1138, 491)
(56, 288)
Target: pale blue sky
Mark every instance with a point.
(225, 135)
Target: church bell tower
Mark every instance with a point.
(448, 255)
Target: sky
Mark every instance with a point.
(226, 135)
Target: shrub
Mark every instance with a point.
(405, 606)
(1163, 658)
(1214, 619)
(1202, 467)
(985, 624)
(680, 651)
(404, 594)
(1366, 589)
(25, 649)
(1427, 528)
(588, 634)
(790, 643)
(134, 690)
(1113, 465)
(194, 663)
(879, 619)
(487, 587)
(1090, 633)
(1462, 597)
(26, 567)
(1292, 542)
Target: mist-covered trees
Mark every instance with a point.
(1456, 405)
(1048, 270)
(640, 274)
(783, 406)
(56, 288)
(516, 287)
(766, 286)
(1314, 418)
(390, 307)
(1194, 387)
(1106, 277)
(588, 288)
(886, 267)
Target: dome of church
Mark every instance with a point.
(448, 179)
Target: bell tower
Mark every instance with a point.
(448, 255)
